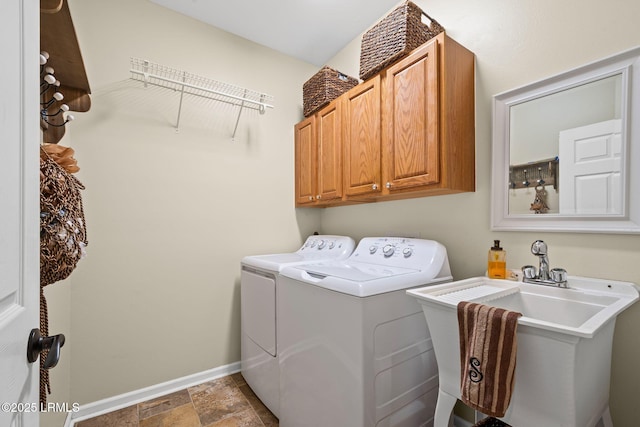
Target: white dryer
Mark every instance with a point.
(258, 301)
(354, 348)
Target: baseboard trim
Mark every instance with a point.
(114, 403)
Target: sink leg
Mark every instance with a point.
(606, 418)
(444, 408)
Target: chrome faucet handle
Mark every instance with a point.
(528, 272)
(559, 275)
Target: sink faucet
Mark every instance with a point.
(544, 276)
(539, 249)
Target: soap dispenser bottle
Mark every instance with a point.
(497, 266)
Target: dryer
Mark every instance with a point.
(354, 348)
(258, 302)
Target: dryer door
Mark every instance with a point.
(258, 308)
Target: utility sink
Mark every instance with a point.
(564, 338)
(581, 309)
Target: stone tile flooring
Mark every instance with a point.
(224, 402)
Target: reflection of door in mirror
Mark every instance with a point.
(590, 161)
(535, 126)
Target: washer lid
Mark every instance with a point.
(354, 271)
(274, 262)
(360, 279)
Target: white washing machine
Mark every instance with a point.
(354, 349)
(258, 301)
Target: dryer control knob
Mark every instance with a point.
(407, 252)
(321, 244)
(388, 250)
(332, 245)
(373, 249)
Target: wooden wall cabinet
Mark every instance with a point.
(318, 157)
(410, 130)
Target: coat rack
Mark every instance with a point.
(60, 55)
(542, 172)
(154, 74)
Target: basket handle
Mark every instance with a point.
(431, 21)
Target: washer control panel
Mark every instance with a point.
(327, 246)
(396, 251)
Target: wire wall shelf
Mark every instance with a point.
(186, 83)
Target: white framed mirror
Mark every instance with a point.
(566, 151)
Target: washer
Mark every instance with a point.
(258, 289)
(354, 349)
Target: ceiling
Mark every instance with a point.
(310, 30)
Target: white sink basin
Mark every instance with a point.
(559, 311)
(580, 310)
(564, 345)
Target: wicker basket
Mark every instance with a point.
(394, 37)
(325, 86)
(63, 233)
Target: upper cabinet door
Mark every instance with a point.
(362, 161)
(329, 151)
(411, 137)
(305, 161)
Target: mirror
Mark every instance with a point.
(566, 151)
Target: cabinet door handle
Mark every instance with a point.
(311, 198)
(319, 196)
(374, 187)
(388, 185)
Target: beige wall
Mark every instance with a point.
(171, 214)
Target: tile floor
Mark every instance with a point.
(224, 402)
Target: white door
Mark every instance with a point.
(19, 209)
(590, 169)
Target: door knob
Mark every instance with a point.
(37, 344)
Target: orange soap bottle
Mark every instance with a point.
(497, 266)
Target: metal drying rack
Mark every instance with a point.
(186, 83)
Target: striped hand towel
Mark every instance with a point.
(488, 346)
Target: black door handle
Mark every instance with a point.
(38, 343)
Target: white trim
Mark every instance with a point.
(110, 404)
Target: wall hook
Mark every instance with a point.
(57, 96)
(540, 180)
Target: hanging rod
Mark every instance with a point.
(154, 74)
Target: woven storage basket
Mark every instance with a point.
(62, 225)
(325, 86)
(394, 37)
